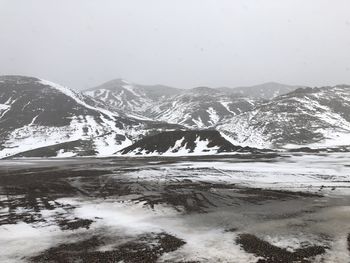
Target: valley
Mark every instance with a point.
(172, 209)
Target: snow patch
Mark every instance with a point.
(4, 107)
(63, 154)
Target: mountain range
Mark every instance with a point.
(200, 107)
(40, 118)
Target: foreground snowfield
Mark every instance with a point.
(189, 209)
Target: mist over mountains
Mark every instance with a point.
(39, 118)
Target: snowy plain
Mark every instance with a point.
(291, 201)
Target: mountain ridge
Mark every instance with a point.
(36, 113)
(199, 107)
(306, 116)
(41, 118)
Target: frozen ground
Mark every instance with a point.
(243, 208)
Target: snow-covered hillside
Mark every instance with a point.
(266, 91)
(183, 142)
(200, 108)
(131, 98)
(316, 117)
(40, 118)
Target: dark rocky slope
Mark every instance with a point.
(182, 142)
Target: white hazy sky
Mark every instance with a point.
(182, 43)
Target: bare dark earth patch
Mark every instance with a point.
(27, 192)
(273, 254)
(72, 224)
(259, 195)
(194, 197)
(146, 248)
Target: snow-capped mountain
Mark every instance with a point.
(315, 117)
(267, 90)
(131, 98)
(40, 118)
(200, 108)
(182, 142)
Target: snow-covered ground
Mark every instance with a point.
(327, 173)
(207, 202)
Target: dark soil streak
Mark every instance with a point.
(273, 254)
(146, 248)
(66, 224)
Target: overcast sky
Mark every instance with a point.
(182, 43)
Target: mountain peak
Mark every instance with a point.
(203, 90)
